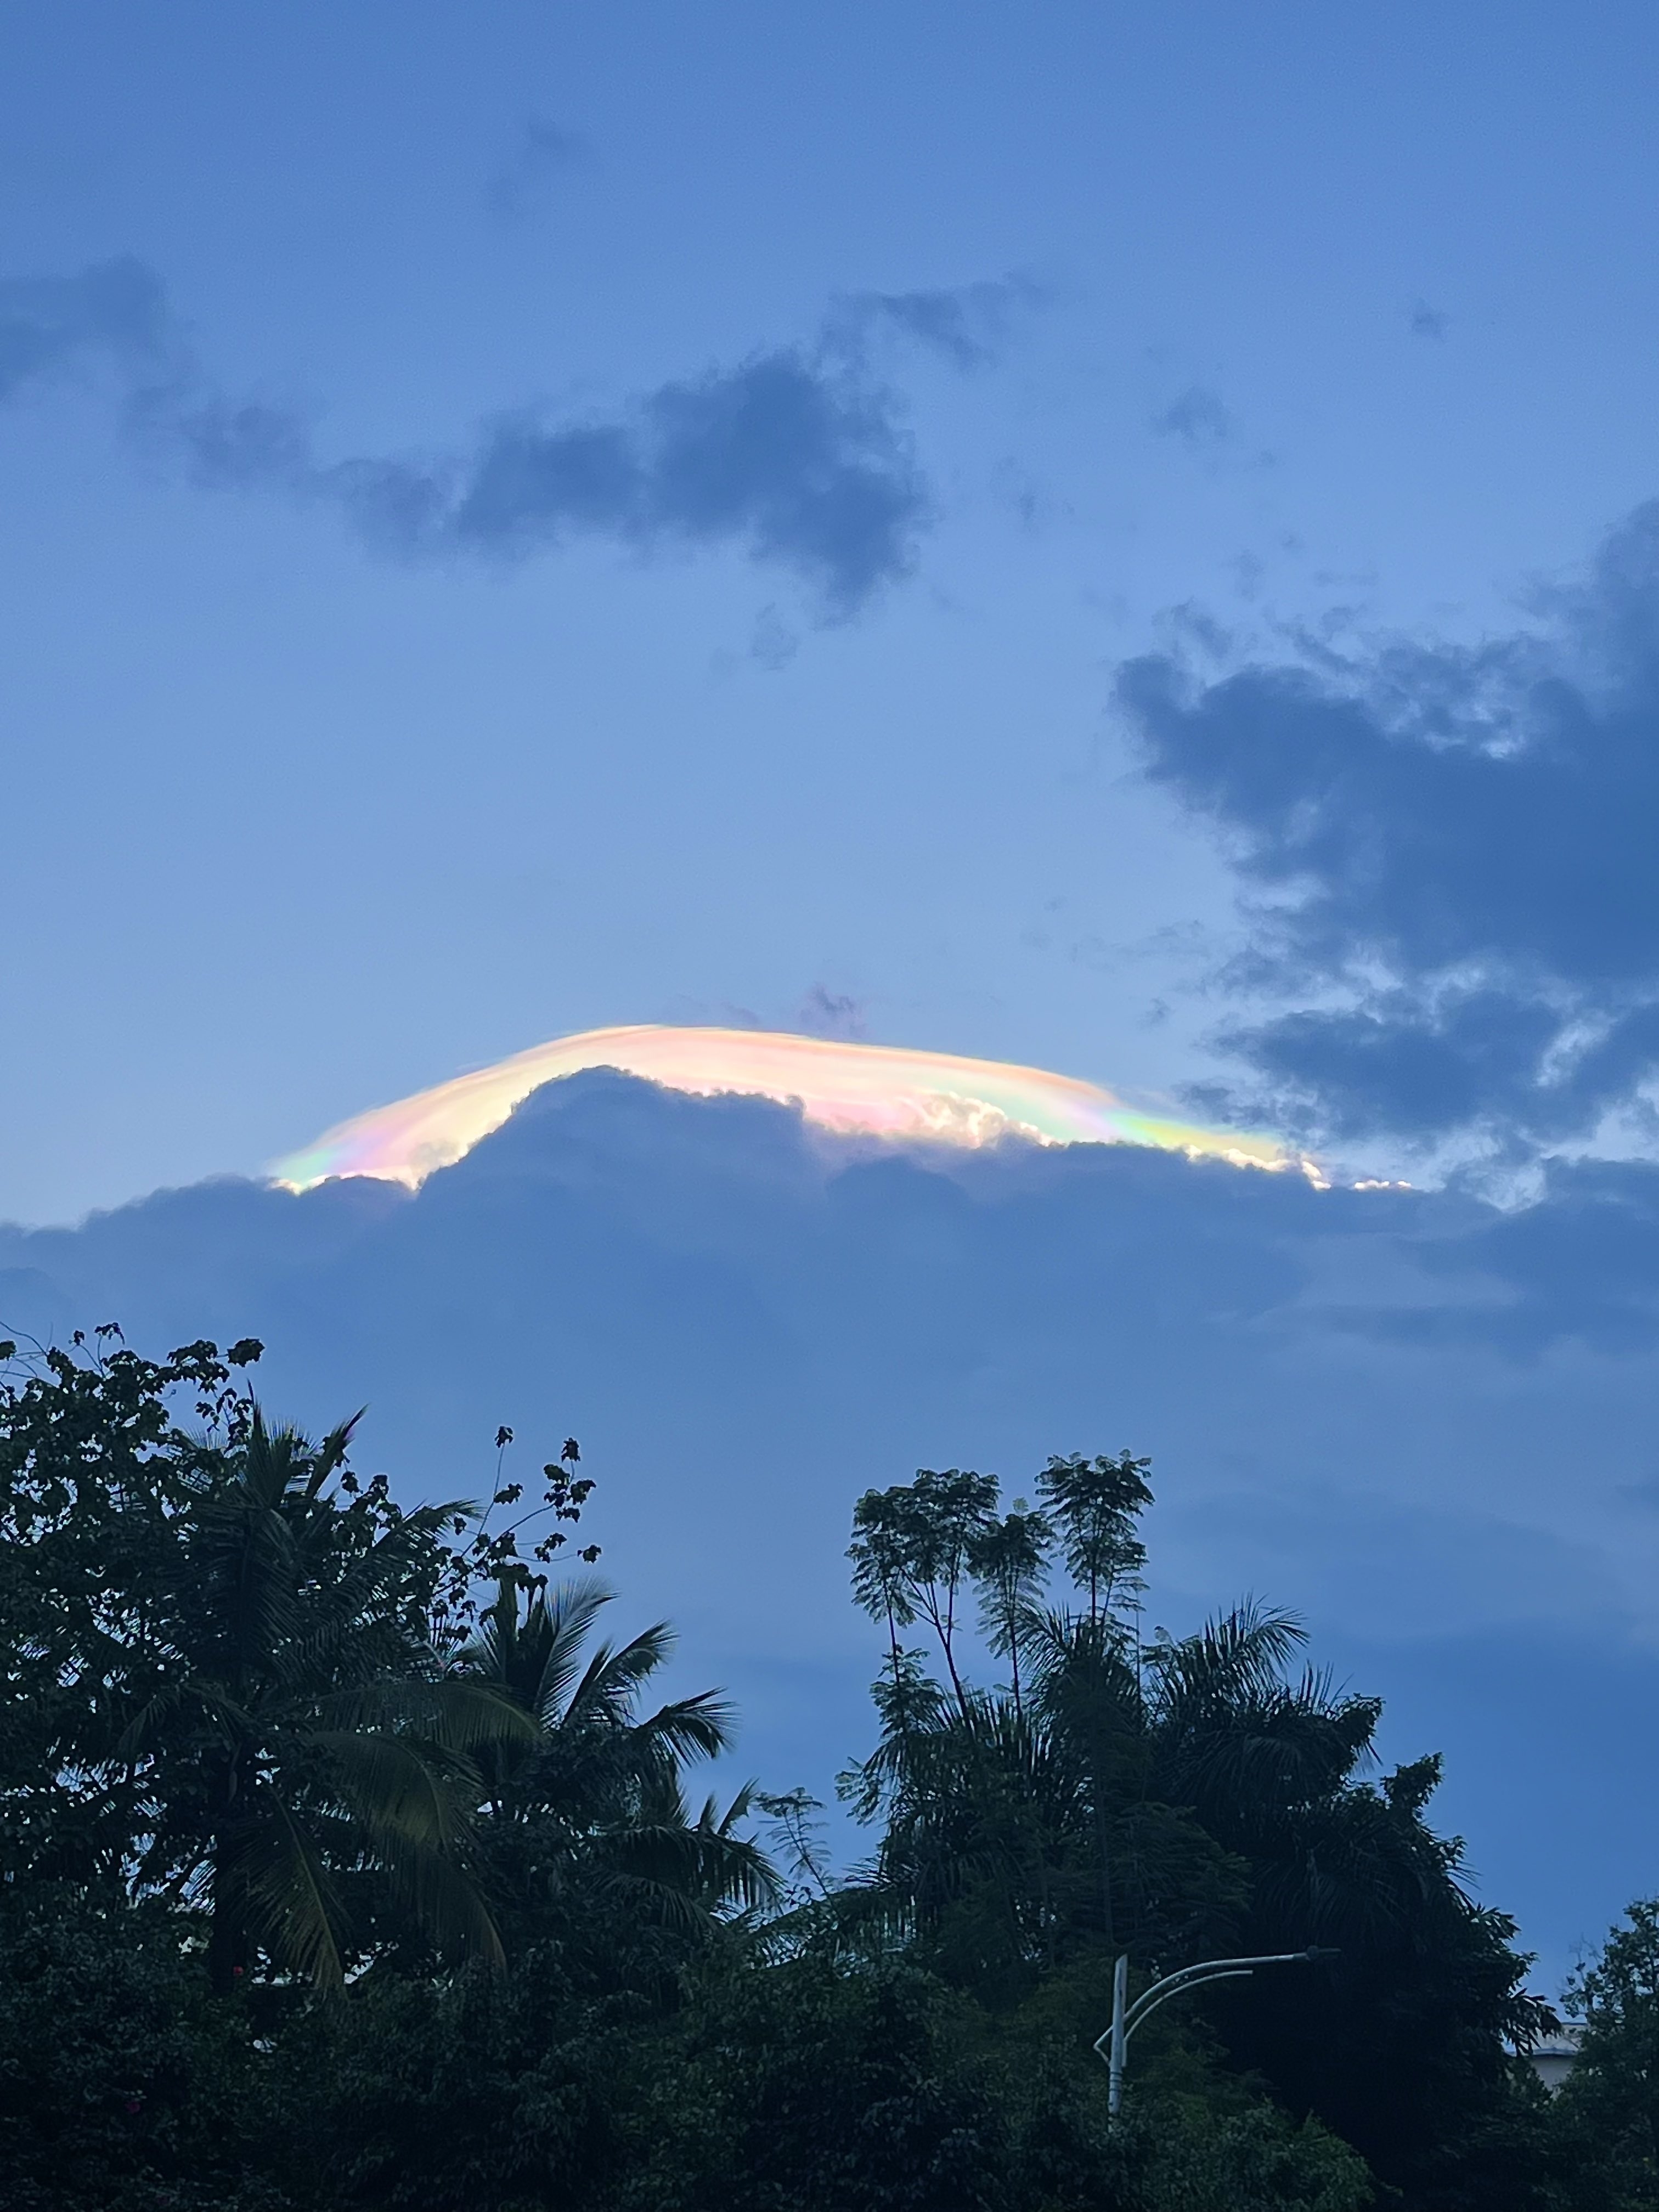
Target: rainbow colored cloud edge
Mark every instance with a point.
(850, 1089)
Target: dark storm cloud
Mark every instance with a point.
(801, 465)
(1397, 1066)
(1457, 843)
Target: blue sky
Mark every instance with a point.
(1112, 537)
(1111, 332)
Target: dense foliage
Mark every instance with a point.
(1177, 1799)
(344, 1864)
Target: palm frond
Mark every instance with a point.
(537, 1655)
(699, 1727)
(443, 1899)
(567, 1617)
(395, 1791)
(330, 1455)
(147, 1724)
(275, 1869)
(413, 1809)
(246, 1568)
(273, 1461)
(1240, 1654)
(340, 1606)
(685, 1872)
(613, 1679)
(457, 1712)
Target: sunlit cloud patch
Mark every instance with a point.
(851, 1090)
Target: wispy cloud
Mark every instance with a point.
(1198, 418)
(543, 153)
(115, 309)
(967, 325)
(797, 456)
(826, 1013)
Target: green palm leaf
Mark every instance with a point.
(273, 1868)
(457, 1712)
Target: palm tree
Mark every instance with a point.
(306, 1750)
(1233, 1734)
(1017, 1837)
(1123, 1796)
(593, 1805)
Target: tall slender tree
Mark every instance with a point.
(1009, 1563)
(1096, 1506)
(913, 1551)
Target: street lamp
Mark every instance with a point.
(1114, 2045)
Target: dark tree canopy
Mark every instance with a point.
(347, 1862)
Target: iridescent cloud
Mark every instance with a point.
(854, 1090)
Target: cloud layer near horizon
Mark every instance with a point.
(1427, 1423)
(889, 1309)
(999, 1304)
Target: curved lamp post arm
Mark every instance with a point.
(1207, 1970)
(1114, 2045)
(1150, 2000)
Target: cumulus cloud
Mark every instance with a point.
(999, 1302)
(1374, 1405)
(802, 465)
(1580, 1264)
(797, 456)
(1448, 858)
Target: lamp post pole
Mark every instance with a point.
(1114, 2045)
